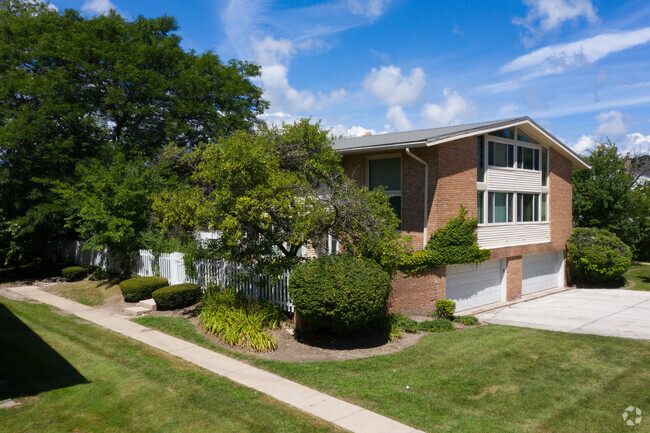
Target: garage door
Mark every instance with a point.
(541, 271)
(473, 285)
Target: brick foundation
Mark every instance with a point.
(417, 295)
(514, 278)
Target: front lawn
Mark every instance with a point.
(490, 378)
(86, 292)
(640, 274)
(77, 377)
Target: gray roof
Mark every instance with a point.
(420, 136)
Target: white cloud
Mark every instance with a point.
(511, 110)
(453, 110)
(355, 131)
(274, 56)
(638, 139)
(584, 143)
(397, 119)
(368, 8)
(97, 7)
(559, 58)
(388, 85)
(457, 31)
(611, 124)
(547, 15)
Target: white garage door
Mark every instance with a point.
(472, 285)
(541, 271)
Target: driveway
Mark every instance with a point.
(617, 313)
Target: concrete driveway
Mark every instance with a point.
(617, 313)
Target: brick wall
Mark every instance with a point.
(513, 277)
(417, 296)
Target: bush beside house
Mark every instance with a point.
(177, 296)
(597, 256)
(341, 293)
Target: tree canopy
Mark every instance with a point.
(270, 192)
(74, 89)
(609, 196)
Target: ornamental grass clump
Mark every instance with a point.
(239, 321)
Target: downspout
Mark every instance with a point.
(426, 195)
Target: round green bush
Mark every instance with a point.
(139, 288)
(597, 256)
(177, 296)
(445, 308)
(339, 292)
(76, 273)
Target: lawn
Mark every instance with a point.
(87, 292)
(78, 377)
(640, 274)
(490, 378)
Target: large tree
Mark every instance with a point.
(273, 191)
(609, 196)
(71, 87)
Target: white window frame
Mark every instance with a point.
(515, 208)
(500, 140)
(390, 193)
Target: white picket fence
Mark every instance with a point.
(221, 272)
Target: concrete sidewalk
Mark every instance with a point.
(339, 412)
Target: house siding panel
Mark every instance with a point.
(513, 180)
(493, 236)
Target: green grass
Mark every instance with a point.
(78, 377)
(87, 292)
(489, 378)
(640, 274)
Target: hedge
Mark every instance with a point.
(139, 288)
(597, 256)
(177, 296)
(339, 292)
(76, 273)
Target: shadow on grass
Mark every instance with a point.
(30, 272)
(28, 365)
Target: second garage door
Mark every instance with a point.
(473, 285)
(541, 271)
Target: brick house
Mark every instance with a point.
(512, 175)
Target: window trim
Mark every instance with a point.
(390, 193)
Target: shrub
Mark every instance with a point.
(597, 256)
(466, 320)
(445, 309)
(139, 288)
(397, 324)
(340, 292)
(239, 321)
(437, 325)
(97, 274)
(177, 296)
(76, 273)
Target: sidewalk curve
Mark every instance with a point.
(334, 410)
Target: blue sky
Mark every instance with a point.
(580, 68)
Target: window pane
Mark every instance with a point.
(510, 207)
(500, 154)
(544, 165)
(522, 136)
(528, 158)
(500, 207)
(479, 206)
(505, 133)
(511, 155)
(396, 203)
(490, 207)
(480, 160)
(544, 198)
(536, 159)
(491, 153)
(520, 156)
(526, 207)
(386, 173)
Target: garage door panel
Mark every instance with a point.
(472, 285)
(540, 271)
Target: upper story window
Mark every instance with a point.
(505, 133)
(387, 173)
(527, 158)
(501, 154)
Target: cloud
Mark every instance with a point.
(457, 31)
(584, 143)
(274, 56)
(453, 110)
(369, 8)
(398, 121)
(388, 85)
(382, 56)
(555, 59)
(546, 15)
(97, 7)
(611, 124)
(355, 131)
